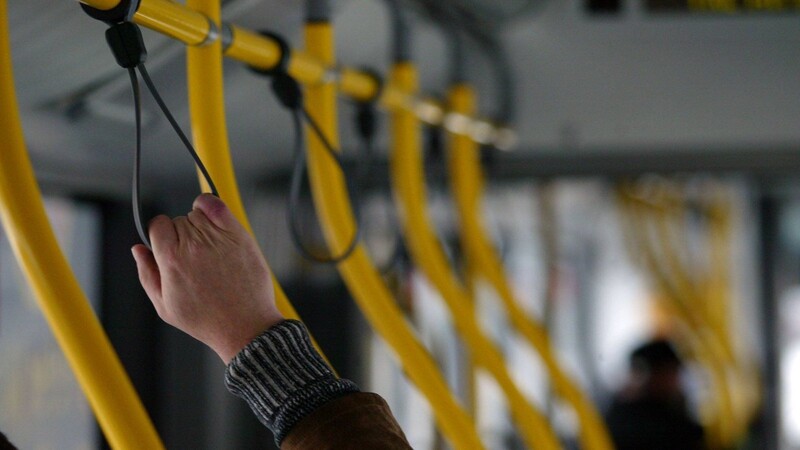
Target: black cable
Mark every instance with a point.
(289, 94)
(366, 128)
(296, 183)
(318, 131)
(137, 158)
(127, 46)
(154, 92)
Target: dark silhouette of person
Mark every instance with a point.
(5, 444)
(650, 411)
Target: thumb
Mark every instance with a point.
(216, 211)
(149, 275)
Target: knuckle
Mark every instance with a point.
(171, 260)
(195, 249)
(157, 221)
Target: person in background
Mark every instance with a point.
(207, 277)
(650, 411)
(5, 444)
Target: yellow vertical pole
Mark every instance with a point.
(409, 189)
(77, 330)
(364, 281)
(467, 186)
(209, 131)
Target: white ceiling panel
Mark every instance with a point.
(583, 82)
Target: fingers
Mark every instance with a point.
(216, 211)
(163, 235)
(200, 221)
(149, 275)
(185, 230)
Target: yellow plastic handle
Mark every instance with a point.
(409, 188)
(467, 180)
(365, 283)
(83, 341)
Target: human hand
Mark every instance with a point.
(207, 277)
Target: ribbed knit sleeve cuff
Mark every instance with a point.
(283, 378)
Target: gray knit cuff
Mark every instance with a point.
(283, 378)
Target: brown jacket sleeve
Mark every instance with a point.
(358, 421)
(295, 394)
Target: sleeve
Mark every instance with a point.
(282, 377)
(359, 421)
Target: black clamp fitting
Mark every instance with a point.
(123, 36)
(285, 87)
(434, 144)
(123, 12)
(366, 117)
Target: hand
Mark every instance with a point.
(207, 277)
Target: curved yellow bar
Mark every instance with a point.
(369, 291)
(83, 341)
(207, 110)
(409, 188)
(467, 179)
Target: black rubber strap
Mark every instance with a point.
(288, 92)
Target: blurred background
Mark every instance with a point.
(646, 131)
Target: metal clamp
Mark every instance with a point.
(226, 36)
(213, 34)
(457, 123)
(427, 111)
(332, 75)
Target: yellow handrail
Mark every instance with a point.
(409, 189)
(466, 179)
(210, 133)
(77, 330)
(364, 281)
(192, 27)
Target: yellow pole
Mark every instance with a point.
(409, 189)
(86, 347)
(467, 182)
(209, 130)
(365, 283)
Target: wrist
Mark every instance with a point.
(235, 343)
(283, 378)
